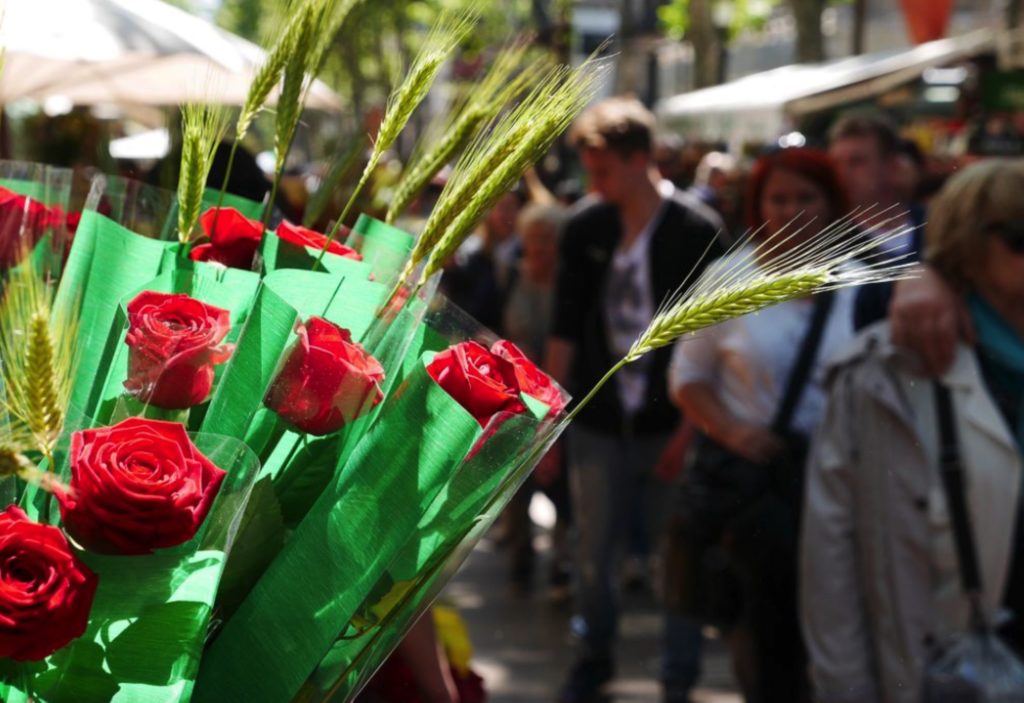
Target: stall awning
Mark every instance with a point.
(758, 107)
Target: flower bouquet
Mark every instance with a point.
(240, 460)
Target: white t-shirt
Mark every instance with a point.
(629, 306)
(748, 359)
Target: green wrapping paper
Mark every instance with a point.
(151, 613)
(107, 262)
(429, 556)
(384, 247)
(341, 549)
(295, 467)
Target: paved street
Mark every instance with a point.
(523, 649)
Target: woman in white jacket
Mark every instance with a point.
(879, 577)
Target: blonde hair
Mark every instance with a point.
(976, 199)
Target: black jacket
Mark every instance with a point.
(686, 233)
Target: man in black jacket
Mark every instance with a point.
(634, 242)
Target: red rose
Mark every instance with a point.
(137, 486)
(23, 221)
(482, 383)
(233, 243)
(174, 346)
(45, 590)
(530, 379)
(326, 381)
(303, 237)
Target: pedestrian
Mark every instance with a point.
(868, 152)
(880, 581)
(753, 387)
(623, 252)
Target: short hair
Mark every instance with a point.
(620, 124)
(812, 164)
(867, 124)
(972, 202)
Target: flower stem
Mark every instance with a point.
(367, 172)
(593, 391)
(273, 197)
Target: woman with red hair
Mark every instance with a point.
(753, 388)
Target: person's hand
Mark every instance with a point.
(757, 444)
(928, 318)
(550, 466)
(670, 463)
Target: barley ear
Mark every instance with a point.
(203, 128)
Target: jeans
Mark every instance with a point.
(612, 478)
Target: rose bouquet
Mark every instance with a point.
(250, 456)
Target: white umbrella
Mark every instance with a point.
(126, 52)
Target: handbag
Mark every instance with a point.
(976, 666)
(735, 519)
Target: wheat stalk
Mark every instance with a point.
(488, 153)
(416, 179)
(332, 16)
(482, 105)
(203, 127)
(39, 357)
(495, 168)
(447, 33)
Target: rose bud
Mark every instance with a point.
(174, 343)
(304, 237)
(138, 486)
(530, 379)
(482, 383)
(233, 243)
(45, 590)
(327, 380)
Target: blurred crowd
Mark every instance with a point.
(780, 474)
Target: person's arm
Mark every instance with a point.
(833, 615)
(693, 381)
(700, 402)
(927, 317)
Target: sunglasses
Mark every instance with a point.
(1011, 234)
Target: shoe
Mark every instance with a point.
(586, 678)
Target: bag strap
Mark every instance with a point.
(952, 470)
(800, 372)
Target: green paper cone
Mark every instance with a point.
(151, 613)
(395, 472)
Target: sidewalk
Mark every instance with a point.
(523, 649)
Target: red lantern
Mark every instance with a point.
(927, 20)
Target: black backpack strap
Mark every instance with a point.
(800, 372)
(952, 470)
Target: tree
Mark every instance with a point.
(709, 26)
(810, 42)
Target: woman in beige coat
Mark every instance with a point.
(879, 579)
